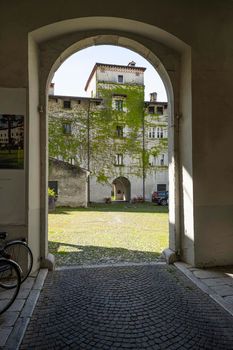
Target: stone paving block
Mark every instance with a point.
(217, 281)
(40, 279)
(15, 319)
(138, 307)
(28, 283)
(4, 334)
(13, 342)
(30, 303)
(23, 293)
(17, 305)
(223, 290)
(208, 274)
(8, 318)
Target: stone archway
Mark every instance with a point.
(121, 189)
(166, 60)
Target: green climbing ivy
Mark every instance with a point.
(99, 125)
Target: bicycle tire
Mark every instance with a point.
(10, 281)
(20, 252)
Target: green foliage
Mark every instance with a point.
(99, 125)
(51, 192)
(102, 178)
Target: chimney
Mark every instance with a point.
(153, 96)
(132, 64)
(51, 89)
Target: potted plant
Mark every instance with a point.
(51, 198)
(108, 200)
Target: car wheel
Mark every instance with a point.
(163, 202)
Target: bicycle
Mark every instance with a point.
(10, 281)
(18, 251)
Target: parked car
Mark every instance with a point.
(160, 197)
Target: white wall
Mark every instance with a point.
(91, 90)
(109, 75)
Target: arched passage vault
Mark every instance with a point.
(49, 46)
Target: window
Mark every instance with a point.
(160, 109)
(161, 187)
(66, 104)
(119, 131)
(159, 133)
(120, 79)
(119, 159)
(151, 109)
(162, 159)
(66, 128)
(119, 105)
(151, 133)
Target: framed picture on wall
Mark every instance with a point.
(11, 141)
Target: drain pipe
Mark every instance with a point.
(88, 151)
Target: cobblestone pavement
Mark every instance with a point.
(137, 307)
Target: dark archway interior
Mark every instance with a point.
(121, 189)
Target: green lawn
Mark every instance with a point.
(108, 233)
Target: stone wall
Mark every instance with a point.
(72, 183)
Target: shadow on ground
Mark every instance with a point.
(94, 255)
(115, 207)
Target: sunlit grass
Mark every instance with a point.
(108, 233)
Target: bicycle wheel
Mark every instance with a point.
(20, 252)
(9, 283)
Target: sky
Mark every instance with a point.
(71, 77)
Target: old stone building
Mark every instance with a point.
(115, 134)
(69, 182)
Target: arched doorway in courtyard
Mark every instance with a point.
(121, 189)
(165, 59)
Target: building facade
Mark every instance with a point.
(120, 138)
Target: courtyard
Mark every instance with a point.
(108, 234)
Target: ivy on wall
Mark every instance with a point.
(94, 132)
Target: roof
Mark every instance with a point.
(92, 99)
(64, 97)
(67, 165)
(134, 68)
(147, 103)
